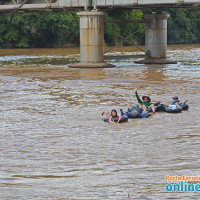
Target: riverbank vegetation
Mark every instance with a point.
(52, 30)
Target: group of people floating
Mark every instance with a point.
(144, 109)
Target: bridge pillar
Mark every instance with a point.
(156, 39)
(91, 40)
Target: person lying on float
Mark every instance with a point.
(176, 102)
(146, 103)
(134, 113)
(112, 115)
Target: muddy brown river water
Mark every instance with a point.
(55, 145)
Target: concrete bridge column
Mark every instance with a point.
(156, 39)
(91, 40)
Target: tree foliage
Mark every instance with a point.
(183, 26)
(56, 29)
(114, 32)
(39, 30)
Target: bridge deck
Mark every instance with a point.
(34, 5)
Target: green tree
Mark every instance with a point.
(39, 30)
(183, 26)
(113, 31)
(56, 29)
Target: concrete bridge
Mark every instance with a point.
(36, 5)
(92, 24)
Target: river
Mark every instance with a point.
(55, 145)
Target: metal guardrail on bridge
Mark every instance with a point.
(34, 5)
(146, 3)
(6, 5)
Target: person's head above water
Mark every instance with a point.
(146, 98)
(175, 98)
(114, 113)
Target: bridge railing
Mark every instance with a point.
(147, 3)
(43, 4)
(75, 3)
(6, 5)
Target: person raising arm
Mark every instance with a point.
(146, 103)
(176, 102)
(112, 115)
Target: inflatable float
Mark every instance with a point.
(184, 106)
(123, 118)
(158, 108)
(135, 113)
(170, 108)
(173, 109)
